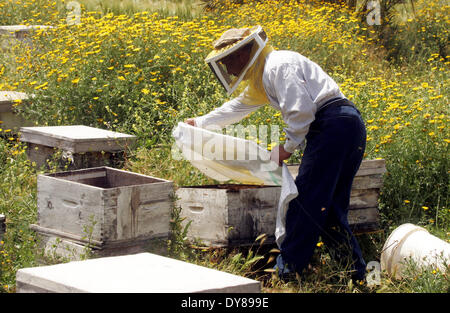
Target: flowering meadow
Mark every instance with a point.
(142, 73)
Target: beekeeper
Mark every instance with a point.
(316, 112)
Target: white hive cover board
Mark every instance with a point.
(9, 96)
(17, 28)
(75, 132)
(138, 273)
(76, 138)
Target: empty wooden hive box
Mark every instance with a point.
(102, 211)
(80, 146)
(227, 215)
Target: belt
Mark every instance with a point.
(336, 102)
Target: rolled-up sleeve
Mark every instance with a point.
(297, 106)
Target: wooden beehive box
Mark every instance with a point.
(81, 146)
(21, 31)
(228, 215)
(11, 35)
(10, 119)
(113, 211)
(363, 215)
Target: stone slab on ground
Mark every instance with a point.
(137, 273)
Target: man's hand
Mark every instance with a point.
(278, 154)
(190, 121)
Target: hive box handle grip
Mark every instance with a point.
(196, 208)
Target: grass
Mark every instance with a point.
(127, 68)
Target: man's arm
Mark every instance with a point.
(229, 113)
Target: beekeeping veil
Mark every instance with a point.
(231, 41)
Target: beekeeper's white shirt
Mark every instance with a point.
(294, 85)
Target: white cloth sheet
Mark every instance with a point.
(223, 158)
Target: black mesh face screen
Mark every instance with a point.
(217, 76)
(263, 35)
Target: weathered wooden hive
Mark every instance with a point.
(228, 215)
(363, 215)
(102, 211)
(224, 215)
(10, 119)
(11, 35)
(80, 146)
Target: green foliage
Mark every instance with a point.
(18, 204)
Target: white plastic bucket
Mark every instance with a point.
(411, 241)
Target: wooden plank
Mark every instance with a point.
(137, 216)
(69, 207)
(220, 217)
(367, 167)
(119, 178)
(364, 198)
(65, 235)
(370, 171)
(376, 163)
(366, 228)
(206, 209)
(78, 176)
(368, 181)
(363, 216)
(252, 212)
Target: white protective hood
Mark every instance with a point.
(230, 83)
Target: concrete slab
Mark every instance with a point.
(138, 273)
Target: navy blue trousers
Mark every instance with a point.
(334, 150)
